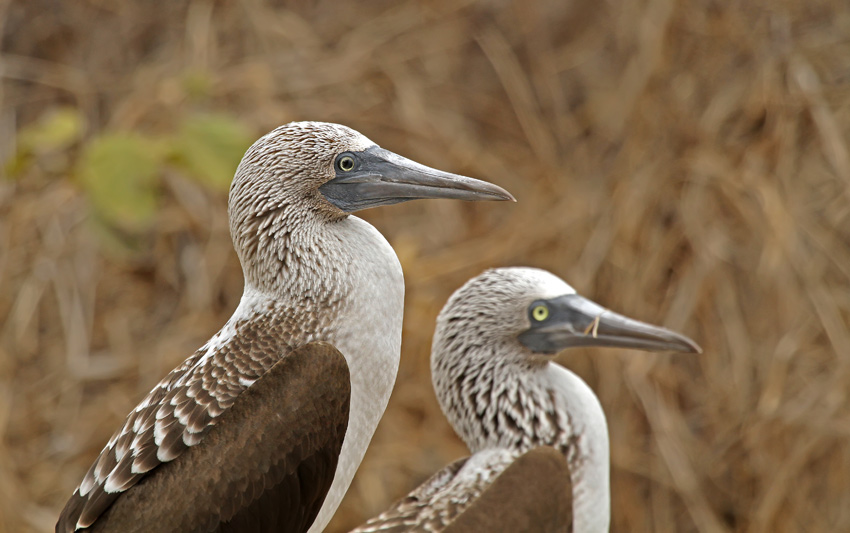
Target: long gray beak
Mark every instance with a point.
(376, 177)
(573, 320)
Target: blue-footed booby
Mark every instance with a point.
(263, 428)
(492, 369)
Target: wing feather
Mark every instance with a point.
(494, 490)
(253, 471)
(176, 415)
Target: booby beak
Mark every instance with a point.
(572, 320)
(376, 177)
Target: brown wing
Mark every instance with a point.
(264, 462)
(493, 491)
(176, 414)
(533, 494)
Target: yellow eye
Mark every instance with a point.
(540, 313)
(346, 163)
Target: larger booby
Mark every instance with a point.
(492, 368)
(257, 430)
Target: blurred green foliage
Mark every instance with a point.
(121, 172)
(48, 139)
(209, 147)
(57, 129)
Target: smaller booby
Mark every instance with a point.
(263, 428)
(492, 368)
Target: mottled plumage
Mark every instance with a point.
(495, 381)
(185, 405)
(312, 273)
(200, 492)
(467, 496)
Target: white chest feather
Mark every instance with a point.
(369, 336)
(591, 473)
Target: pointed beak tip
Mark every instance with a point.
(496, 193)
(690, 347)
(508, 197)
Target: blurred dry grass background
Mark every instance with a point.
(683, 162)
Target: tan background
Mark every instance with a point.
(683, 162)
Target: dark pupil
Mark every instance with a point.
(346, 163)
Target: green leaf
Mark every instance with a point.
(57, 129)
(16, 165)
(119, 173)
(209, 147)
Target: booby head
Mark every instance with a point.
(303, 175)
(536, 314)
(333, 170)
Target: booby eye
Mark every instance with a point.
(540, 313)
(345, 163)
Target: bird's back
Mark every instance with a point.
(263, 463)
(493, 490)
